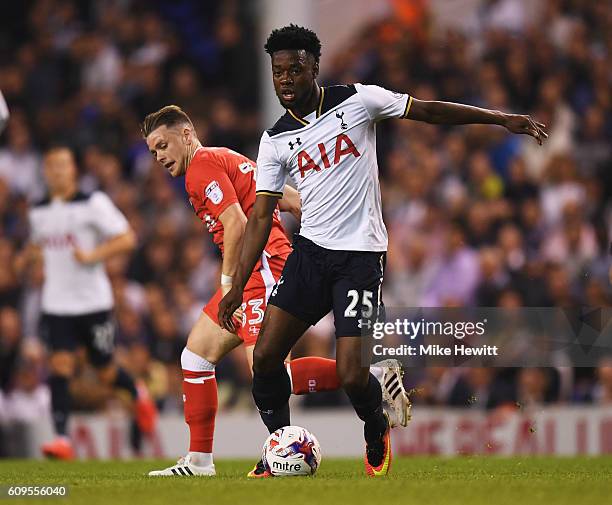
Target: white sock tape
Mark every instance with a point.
(194, 363)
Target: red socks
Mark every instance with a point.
(312, 374)
(200, 397)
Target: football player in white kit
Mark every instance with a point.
(76, 233)
(326, 141)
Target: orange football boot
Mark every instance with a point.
(259, 471)
(383, 468)
(59, 448)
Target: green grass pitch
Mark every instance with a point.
(419, 480)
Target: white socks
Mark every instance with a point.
(377, 372)
(201, 458)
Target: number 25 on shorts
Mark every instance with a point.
(366, 303)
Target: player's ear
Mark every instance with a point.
(315, 69)
(187, 135)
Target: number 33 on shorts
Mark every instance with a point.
(252, 316)
(254, 311)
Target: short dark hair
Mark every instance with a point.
(294, 37)
(58, 146)
(170, 115)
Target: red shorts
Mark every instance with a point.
(255, 297)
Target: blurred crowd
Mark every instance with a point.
(476, 216)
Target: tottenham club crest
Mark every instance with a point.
(340, 116)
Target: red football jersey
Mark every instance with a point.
(218, 177)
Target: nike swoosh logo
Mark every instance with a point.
(384, 468)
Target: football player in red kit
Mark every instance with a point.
(221, 188)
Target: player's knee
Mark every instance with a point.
(205, 346)
(259, 361)
(210, 355)
(62, 363)
(265, 362)
(352, 379)
(195, 362)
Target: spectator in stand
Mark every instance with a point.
(602, 392)
(474, 216)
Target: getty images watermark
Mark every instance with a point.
(490, 336)
(414, 330)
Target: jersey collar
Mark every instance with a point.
(315, 114)
(201, 148)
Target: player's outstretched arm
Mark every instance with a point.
(290, 202)
(455, 113)
(255, 238)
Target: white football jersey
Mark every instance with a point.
(331, 156)
(59, 227)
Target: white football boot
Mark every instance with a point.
(393, 391)
(185, 468)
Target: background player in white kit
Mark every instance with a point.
(76, 233)
(326, 142)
